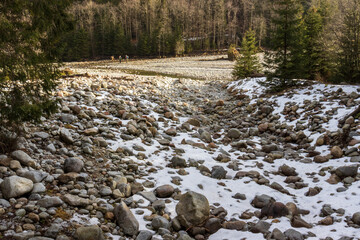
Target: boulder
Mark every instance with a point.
(164, 191)
(346, 171)
(73, 165)
(192, 209)
(336, 152)
(89, 233)
(65, 136)
(75, 201)
(50, 202)
(15, 186)
(125, 219)
(356, 218)
(23, 158)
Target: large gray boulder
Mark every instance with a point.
(15, 186)
(23, 158)
(89, 233)
(65, 136)
(126, 219)
(192, 209)
(73, 165)
(346, 171)
(50, 202)
(75, 200)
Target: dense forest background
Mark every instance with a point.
(106, 28)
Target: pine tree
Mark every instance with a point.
(349, 56)
(284, 62)
(29, 46)
(315, 64)
(247, 63)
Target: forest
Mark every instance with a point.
(160, 27)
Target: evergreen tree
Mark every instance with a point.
(30, 34)
(349, 57)
(247, 63)
(284, 62)
(315, 64)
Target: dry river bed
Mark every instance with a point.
(146, 150)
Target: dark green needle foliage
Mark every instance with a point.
(29, 44)
(284, 62)
(247, 63)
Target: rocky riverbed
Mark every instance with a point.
(130, 156)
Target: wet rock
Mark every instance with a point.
(23, 158)
(164, 191)
(346, 171)
(15, 186)
(73, 165)
(89, 233)
(193, 208)
(125, 219)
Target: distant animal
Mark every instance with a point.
(112, 58)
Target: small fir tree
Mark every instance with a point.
(247, 63)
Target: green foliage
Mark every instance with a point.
(349, 56)
(284, 62)
(316, 61)
(247, 63)
(29, 44)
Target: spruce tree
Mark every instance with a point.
(349, 56)
(315, 64)
(247, 63)
(284, 63)
(29, 46)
